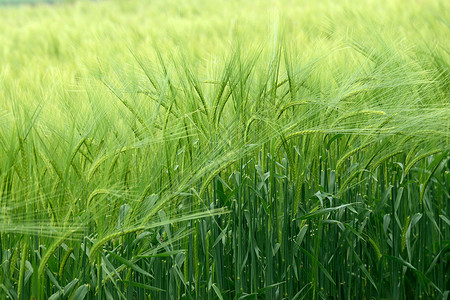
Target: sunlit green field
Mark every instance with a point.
(209, 149)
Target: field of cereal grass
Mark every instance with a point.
(225, 150)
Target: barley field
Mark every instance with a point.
(205, 149)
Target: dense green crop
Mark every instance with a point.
(225, 150)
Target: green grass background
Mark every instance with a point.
(225, 150)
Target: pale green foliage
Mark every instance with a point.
(225, 149)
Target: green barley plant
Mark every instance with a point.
(225, 150)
